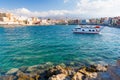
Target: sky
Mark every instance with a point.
(62, 8)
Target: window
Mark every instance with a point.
(83, 30)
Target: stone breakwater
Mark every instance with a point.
(63, 72)
(58, 72)
(16, 25)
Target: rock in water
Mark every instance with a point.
(88, 74)
(78, 76)
(23, 76)
(55, 70)
(32, 68)
(23, 68)
(12, 71)
(9, 77)
(101, 68)
(59, 77)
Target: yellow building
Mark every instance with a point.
(6, 17)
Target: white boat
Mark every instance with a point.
(87, 29)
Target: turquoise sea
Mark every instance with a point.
(27, 46)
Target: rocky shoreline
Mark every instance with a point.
(63, 72)
(50, 72)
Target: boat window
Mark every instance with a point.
(93, 30)
(89, 30)
(83, 30)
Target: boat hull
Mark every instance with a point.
(86, 32)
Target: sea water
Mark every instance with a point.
(27, 46)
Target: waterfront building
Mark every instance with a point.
(35, 20)
(44, 22)
(83, 21)
(105, 21)
(61, 22)
(8, 18)
(88, 21)
(97, 21)
(73, 22)
(118, 22)
(92, 21)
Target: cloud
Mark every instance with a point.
(65, 1)
(26, 12)
(83, 8)
(23, 11)
(99, 7)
